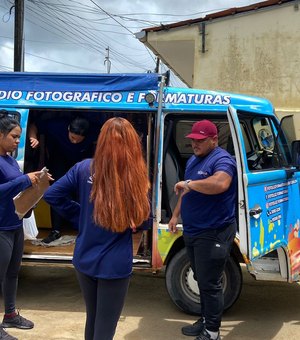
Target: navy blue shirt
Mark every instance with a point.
(59, 146)
(98, 252)
(12, 182)
(201, 211)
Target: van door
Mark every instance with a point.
(269, 200)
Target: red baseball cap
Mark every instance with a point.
(203, 129)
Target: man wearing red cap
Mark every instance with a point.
(206, 204)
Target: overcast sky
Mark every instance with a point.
(73, 35)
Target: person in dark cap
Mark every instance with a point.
(206, 204)
(67, 142)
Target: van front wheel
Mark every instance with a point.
(183, 288)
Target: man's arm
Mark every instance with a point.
(216, 184)
(176, 213)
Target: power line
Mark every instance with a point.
(111, 16)
(6, 68)
(65, 26)
(54, 61)
(75, 22)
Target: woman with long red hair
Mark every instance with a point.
(113, 199)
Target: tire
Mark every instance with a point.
(183, 289)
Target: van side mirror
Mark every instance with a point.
(296, 153)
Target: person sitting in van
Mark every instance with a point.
(66, 143)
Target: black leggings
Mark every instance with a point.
(11, 245)
(104, 300)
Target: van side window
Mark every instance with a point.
(225, 141)
(246, 139)
(14, 115)
(269, 152)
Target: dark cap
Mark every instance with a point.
(203, 129)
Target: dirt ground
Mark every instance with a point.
(50, 297)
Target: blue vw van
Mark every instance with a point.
(266, 151)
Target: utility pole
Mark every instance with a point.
(107, 60)
(157, 65)
(18, 36)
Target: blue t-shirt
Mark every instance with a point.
(12, 181)
(98, 252)
(201, 211)
(60, 148)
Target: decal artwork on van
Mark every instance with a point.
(293, 247)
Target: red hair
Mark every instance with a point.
(120, 180)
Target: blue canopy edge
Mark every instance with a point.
(112, 82)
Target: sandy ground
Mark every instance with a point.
(51, 298)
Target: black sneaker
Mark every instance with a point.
(54, 235)
(204, 335)
(17, 322)
(5, 336)
(194, 329)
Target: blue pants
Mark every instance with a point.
(11, 245)
(208, 253)
(104, 300)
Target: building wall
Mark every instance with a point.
(176, 48)
(257, 53)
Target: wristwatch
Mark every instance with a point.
(186, 184)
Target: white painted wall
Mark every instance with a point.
(257, 53)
